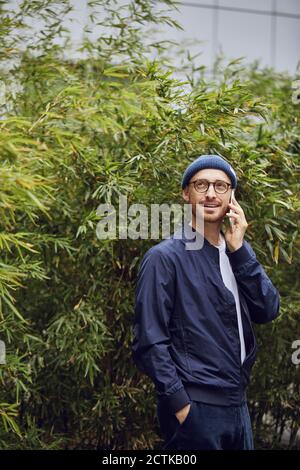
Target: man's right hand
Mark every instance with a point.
(182, 414)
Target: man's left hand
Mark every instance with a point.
(234, 235)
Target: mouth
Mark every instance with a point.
(211, 206)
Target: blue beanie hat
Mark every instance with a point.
(209, 161)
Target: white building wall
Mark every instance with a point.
(266, 30)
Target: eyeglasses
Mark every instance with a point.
(220, 187)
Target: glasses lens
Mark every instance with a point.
(201, 186)
(221, 187)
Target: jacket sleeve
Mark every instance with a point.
(154, 299)
(263, 299)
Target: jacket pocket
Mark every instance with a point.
(253, 347)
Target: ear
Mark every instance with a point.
(185, 194)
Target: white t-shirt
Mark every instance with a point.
(230, 282)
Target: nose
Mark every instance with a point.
(210, 193)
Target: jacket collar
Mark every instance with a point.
(188, 235)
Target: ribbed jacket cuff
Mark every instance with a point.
(239, 257)
(176, 401)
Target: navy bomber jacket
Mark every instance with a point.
(185, 328)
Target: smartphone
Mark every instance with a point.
(231, 212)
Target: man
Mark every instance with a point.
(194, 308)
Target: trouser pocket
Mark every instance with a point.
(170, 426)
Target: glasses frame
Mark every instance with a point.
(209, 183)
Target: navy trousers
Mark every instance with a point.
(207, 427)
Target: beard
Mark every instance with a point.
(206, 214)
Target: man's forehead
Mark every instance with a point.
(212, 174)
